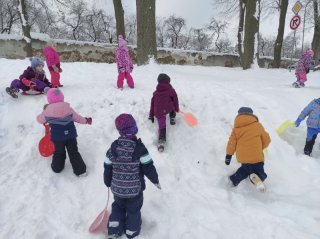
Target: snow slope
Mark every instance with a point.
(195, 200)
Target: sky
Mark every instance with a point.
(198, 13)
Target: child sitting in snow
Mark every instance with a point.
(164, 101)
(124, 63)
(303, 68)
(312, 110)
(61, 118)
(33, 78)
(126, 163)
(53, 63)
(248, 139)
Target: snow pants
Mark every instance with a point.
(312, 134)
(301, 77)
(122, 76)
(55, 79)
(162, 120)
(59, 157)
(245, 170)
(126, 216)
(17, 84)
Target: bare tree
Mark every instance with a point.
(161, 32)
(201, 39)
(316, 35)
(218, 28)
(131, 29)
(146, 31)
(25, 27)
(9, 15)
(224, 45)
(119, 13)
(174, 25)
(283, 4)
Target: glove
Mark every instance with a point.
(158, 185)
(228, 159)
(308, 70)
(60, 70)
(45, 106)
(28, 83)
(151, 118)
(89, 120)
(297, 123)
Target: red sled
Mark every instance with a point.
(46, 147)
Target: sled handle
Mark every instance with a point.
(47, 126)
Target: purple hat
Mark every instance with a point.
(126, 125)
(121, 41)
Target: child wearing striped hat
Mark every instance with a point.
(126, 163)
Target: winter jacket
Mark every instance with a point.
(164, 100)
(123, 60)
(248, 139)
(304, 63)
(31, 74)
(126, 163)
(52, 58)
(61, 118)
(312, 110)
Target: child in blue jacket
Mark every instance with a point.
(126, 163)
(312, 110)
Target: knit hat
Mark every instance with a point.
(126, 125)
(163, 78)
(35, 62)
(245, 111)
(121, 41)
(54, 95)
(310, 52)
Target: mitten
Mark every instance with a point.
(297, 123)
(89, 120)
(151, 118)
(158, 185)
(228, 159)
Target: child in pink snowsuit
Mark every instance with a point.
(124, 64)
(53, 63)
(303, 68)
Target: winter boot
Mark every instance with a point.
(12, 92)
(255, 180)
(309, 146)
(162, 139)
(172, 118)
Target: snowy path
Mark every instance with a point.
(196, 201)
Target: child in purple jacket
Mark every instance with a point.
(303, 68)
(164, 101)
(33, 78)
(124, 64)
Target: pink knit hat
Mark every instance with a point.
(121, 41)
(54, 95)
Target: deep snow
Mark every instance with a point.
(195, 200)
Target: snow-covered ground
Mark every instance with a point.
(195, 200)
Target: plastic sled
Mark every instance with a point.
(190, 119)
(100, 224)
(284, 126)
(46, 147)
(31, 92)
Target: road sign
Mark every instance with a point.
(295, 22)
(297, 7)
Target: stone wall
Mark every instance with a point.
(73, 51)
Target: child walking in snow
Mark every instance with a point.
(248, 140)
(126, 163)
(33, 78)
(312, 110)
(61, 118)
(124, 64)
(303, 68)
(164, 101)
(53, 63)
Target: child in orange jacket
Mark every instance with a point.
(248, 140)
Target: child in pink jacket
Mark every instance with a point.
(124, 64)
(53, 63)
(61, 118)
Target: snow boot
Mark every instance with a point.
(256, 181)
(162, 139)
(172, 118)
(12, 92)
(309, 146)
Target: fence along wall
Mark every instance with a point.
(74, 51)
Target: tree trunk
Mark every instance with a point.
(25, 28)
(242, 8)
(146, 29)
(251, 28)
(119, 13)
(279, 40)
(316, 35)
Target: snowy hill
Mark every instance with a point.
(195, 201)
